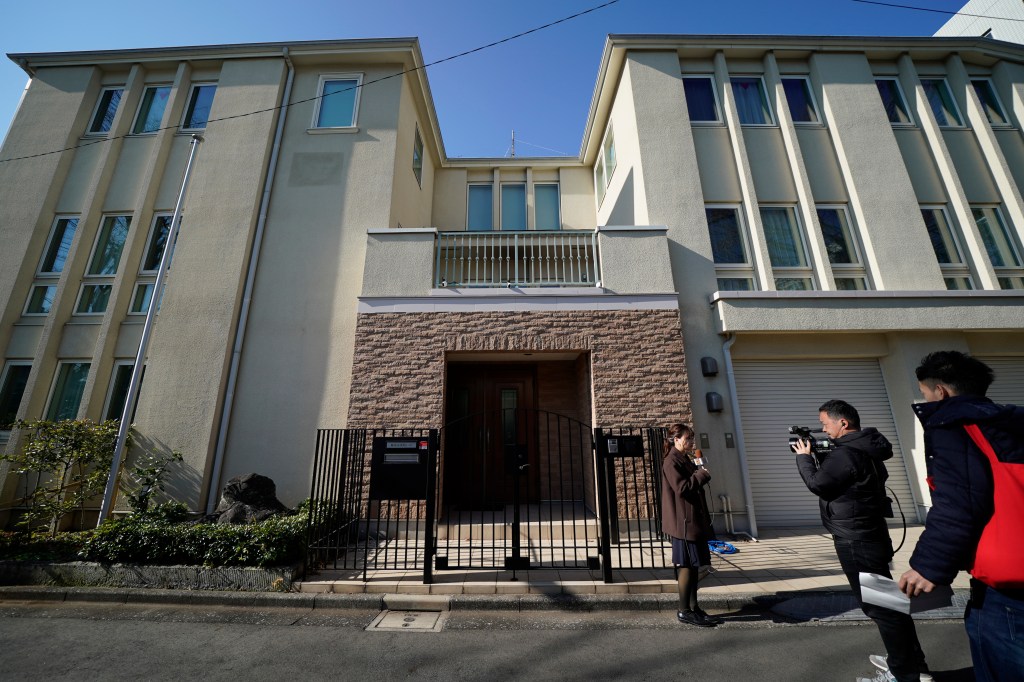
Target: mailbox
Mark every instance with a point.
(624, 446)
(399, 468)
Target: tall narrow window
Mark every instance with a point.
(548, 215)
(200, 101)
(1000, 245)
(729, 249)
(990, 101)
(59, 246)
(417, 158)
(701, 103)
(841, 247)
(12, 388)
(479, 216)
(151, 110)
(337, 102)
(40, 299)
(109, 244)
(67, 390)
(955, 272)
(893, 102)
(93, 299)
(940, 99)
(106, 109)
(605, 165)
(143, 296)
(120, 381)
(786, 249)
(751, 101)
(800, 100)
(513, 207)
(157, 243)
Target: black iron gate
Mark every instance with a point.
(509, 489)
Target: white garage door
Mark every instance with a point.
(1009, 384)
(775, 395)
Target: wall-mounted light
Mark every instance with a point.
(708, 366)
(714, 401)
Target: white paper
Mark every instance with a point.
(881, 591)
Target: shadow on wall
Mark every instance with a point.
(624, 211)
(182, 483)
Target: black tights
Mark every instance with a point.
(687, 579)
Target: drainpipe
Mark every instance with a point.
(213, 495)
(741, 447)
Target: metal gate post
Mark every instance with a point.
(604, 543)
(428, 536)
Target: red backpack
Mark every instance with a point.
(999, 559)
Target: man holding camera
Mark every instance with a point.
(849, 481)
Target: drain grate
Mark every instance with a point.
(409, 621)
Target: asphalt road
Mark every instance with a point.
(89, 641)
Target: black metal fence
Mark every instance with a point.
(511, 490)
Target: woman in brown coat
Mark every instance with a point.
(685, 517)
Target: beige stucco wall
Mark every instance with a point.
(624, 201)
(412, 201)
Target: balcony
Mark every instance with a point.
(517, 259)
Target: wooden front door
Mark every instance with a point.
(490, 444)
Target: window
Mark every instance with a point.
(893, 101)
(955, 272)
(40, 300)
(841, 247)
(513, 207)
(12, 388)
(200, 101)
(337, 102)
(729, 249)
(751, 101)
(93, 299)
(1000, 246)
(157, 241)
(109, 243)
(142, 297)
(605, 165)
(786, 249)
(151, 111)
(58, 247)
(801, 102)
(701, 101)
(67, 392)
(936, 91)
(106, 109)
(546, 203)
(990, 101)
(417, 158)
(479, 216)
(120, 382)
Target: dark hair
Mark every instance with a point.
(840, 409)
(959, 371)
(677, 430)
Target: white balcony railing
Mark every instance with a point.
(523, 259)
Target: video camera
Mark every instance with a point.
(819, 445)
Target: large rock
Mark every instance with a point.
(248, 499)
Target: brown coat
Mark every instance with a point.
(684, 512)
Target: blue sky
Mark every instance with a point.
(539, 85)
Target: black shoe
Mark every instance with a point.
(693, 618)
(714, 620)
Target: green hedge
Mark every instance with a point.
(159, 537)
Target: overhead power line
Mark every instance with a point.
(936, 11)
(354, 87)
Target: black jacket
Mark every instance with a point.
(960, 479)
(850, 482)
(684, 511)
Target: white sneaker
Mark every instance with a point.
(881, 676)
(881, 663)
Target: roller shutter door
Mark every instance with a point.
(1009, 384)
(774, 395)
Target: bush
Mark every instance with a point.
(25, 547)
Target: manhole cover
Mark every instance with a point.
(408, 621)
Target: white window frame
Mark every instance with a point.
(4, 373)
(791, 271)
(1013, 241)
(96, 243)
(191, 95)
(149, 242)
(110, 386)
(952, 98)
(417, 147)
(49, 243)
(56, 377)
(138, 112)
(720, 121)
(96, 109)
(999, 102)
(735, 270)
(772, 120)
(953, 270)
(28, 299)
(324, 77)
(81, 294)
(605, 175)
(849, 270)
(135, 291)
(903, 98)
(820, 123)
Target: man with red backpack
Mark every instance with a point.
(974, 451)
